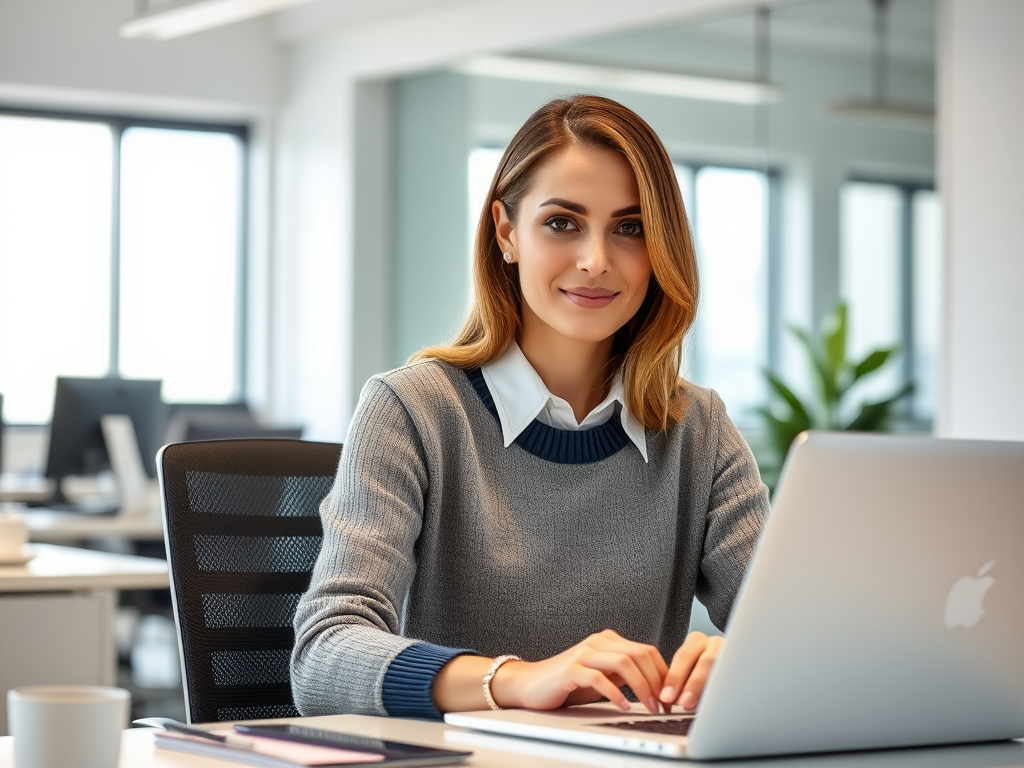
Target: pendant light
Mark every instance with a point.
(880, 107)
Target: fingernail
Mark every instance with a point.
(668, 693)
(624, 705)
(652, 705)
(689, 701)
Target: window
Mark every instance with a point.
(121, 248)
(890, 276)
(483, 162)
(729, 343)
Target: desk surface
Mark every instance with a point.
(501, 752)
(56, 569)
(56, 527)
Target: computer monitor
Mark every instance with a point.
(77, 446)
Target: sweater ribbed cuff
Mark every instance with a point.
(409, 681)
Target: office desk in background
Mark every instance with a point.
(24, 487)
(505, 752)
(57, 615)
(48, 526)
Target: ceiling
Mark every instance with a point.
(833, 25)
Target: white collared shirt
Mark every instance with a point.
(520, 396)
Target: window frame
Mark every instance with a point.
(118, 124)
(773, 175)
(906, 188)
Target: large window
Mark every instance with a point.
(890, 276)
(729, 345)
(121, 253)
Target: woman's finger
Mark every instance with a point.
(682, 665)
(694, 685)
(588, 677)
(646, 657)
(621, 666)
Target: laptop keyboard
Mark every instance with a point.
(674, 727)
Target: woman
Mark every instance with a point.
(546, 490)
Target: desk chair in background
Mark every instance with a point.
(242, 527)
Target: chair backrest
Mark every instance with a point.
(242, 528)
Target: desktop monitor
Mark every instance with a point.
(77, 446)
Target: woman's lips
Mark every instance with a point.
(590, 298)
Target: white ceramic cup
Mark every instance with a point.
(67, 726)
(13, 535)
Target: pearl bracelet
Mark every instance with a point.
(490, 676)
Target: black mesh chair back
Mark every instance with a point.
(242, 527)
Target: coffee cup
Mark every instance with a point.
(13, 535)
(67, 726)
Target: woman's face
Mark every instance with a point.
(580, 245)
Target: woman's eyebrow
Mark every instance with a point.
(631, 210)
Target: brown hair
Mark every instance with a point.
(648, 348)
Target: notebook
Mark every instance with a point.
(882, 609)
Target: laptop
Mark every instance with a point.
(883, 608)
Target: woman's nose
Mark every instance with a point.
(594, 257)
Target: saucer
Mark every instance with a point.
(21, 559)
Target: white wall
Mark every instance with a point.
(981, 168)
(313, 275)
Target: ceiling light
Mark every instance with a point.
(907, 114)
(174, 18)
(879, 107)
(638, 80)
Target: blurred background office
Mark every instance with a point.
(261, 205)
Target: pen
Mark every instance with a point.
(168, 724)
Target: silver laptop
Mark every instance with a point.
(884, 608)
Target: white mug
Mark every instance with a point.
(67, 726)
(13, 535)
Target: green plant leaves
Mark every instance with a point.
(786, 415)
(835, 340)
(873, 362)
(800, 416)
(781, 432)
(874, 417)
(825, 380)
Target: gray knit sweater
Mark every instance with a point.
(435, 532)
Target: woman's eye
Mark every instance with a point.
(560, 224)
(631, 229)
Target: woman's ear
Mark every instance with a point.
(504, 232)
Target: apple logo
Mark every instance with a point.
(963, 606)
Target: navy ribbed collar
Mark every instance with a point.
(561, 446)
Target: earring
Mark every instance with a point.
(507, 257)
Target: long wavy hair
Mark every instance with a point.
(648, 349)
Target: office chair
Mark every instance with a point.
(242, 528)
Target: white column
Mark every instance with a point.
(981, 178)
(312, 281)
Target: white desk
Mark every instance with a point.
(64, 527)
(57, 616)
(24, 487)
(500, 752)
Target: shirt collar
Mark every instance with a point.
(520, 395)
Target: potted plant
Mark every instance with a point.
(786, 415)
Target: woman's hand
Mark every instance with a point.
(690, 668)
(584, 673)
